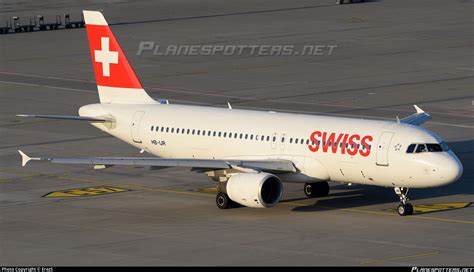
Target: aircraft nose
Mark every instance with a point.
(452, 169)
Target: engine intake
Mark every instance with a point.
(256, 190)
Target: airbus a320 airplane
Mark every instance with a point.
(250, 153)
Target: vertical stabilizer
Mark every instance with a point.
(115, 78)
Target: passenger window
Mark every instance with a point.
(421, 148)
(225, 134)
(219, 134)
(268, 138)
(251, 136)
(162, 129)
(307, 141)
(296, 140)
(262, 138)
(241, 135)
(187, 131)
(291, 140)
(151, 128)
(302, 141)
(209, 133)
(172, 130)
(194, 131)
(411, 148)
(246, 136)
(167, 129)
(282, 139)
(199, 132)
(274, 138)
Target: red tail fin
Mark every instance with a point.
(115, 78)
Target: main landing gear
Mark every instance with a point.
(316, 189)
(224, 202)
(404, 208)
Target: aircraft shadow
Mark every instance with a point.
(362, 195)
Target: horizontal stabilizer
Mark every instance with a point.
(66, 117)
(25, 158)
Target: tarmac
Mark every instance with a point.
(390, 55)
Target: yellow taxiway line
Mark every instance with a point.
(136, 187)
(295, 204)
(284, 203)
(382, 213)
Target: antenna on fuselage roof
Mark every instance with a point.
(229, 105)
(398, 119)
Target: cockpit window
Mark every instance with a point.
(421, 148)
(434, 148)
(411, 148)
(444, 146)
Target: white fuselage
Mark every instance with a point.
(219, 133)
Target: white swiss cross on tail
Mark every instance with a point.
(105, 56)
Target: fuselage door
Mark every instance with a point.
(137, 117)
(383, 148)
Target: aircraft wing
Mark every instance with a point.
(271, 166)
(416, 119)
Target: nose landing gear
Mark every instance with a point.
(404, 208)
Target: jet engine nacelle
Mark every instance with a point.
(256, 190)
